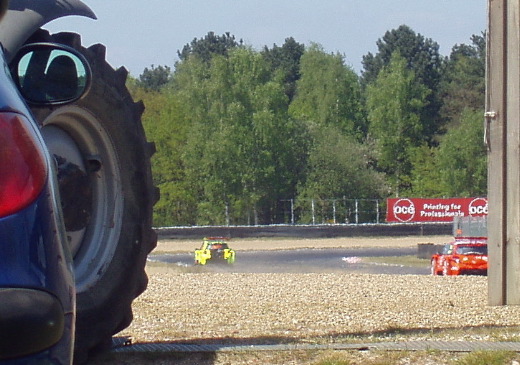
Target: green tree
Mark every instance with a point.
(155, 78)
(242, 149)
(423, 58)
(394, 104)
(205, 48)
(426, 177)
(463, 81)
(328, 92)
(462, 157)
(286, 60)
(165, 125)
(421, 55)
(340, 166)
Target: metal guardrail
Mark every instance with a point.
(308, 231)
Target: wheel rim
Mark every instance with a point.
(75, 134)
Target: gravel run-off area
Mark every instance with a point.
(202, 307)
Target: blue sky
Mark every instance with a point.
(141, 33)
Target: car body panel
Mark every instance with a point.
(33, 257)
(463, 256)
(24, 17)
(214, 249)
(37, 289)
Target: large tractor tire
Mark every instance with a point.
(107, 195)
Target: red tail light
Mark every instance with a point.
(23, 169)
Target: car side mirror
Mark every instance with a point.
(49, 73)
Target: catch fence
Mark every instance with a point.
(333, 211)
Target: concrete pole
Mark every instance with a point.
(502, 123)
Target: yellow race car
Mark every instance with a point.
(214, 249)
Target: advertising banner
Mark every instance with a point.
(434, 210)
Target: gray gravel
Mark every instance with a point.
(220, 306)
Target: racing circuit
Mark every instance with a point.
(344, 260)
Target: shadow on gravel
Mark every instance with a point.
(163, 353)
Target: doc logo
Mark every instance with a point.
(478, 207)
(404, 210)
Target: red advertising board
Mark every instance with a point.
(434, 210)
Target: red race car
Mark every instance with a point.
(464, 256)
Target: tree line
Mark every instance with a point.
(240, 130)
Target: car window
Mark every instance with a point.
(217, 246)
(447, 250)
(472, 249)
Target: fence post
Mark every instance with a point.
(292, 211)
(377, 211)
(312, 209)
(227, 214)
(357, 211)
(346, 209)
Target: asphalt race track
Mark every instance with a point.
(346, 260)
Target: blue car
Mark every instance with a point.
(76, 191)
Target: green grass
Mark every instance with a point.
(487, 358)
(421, 357)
